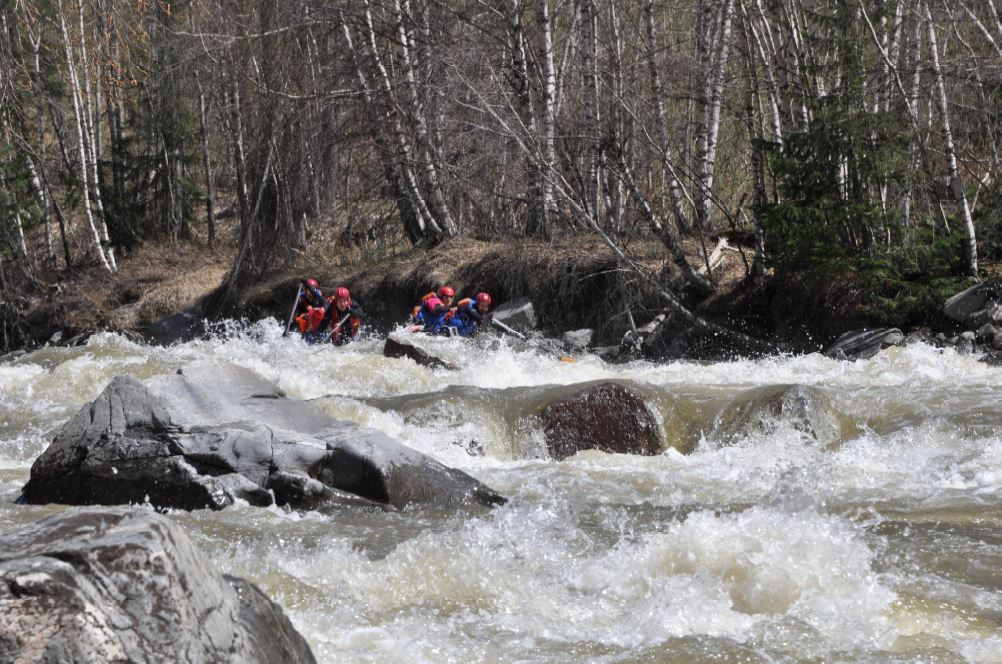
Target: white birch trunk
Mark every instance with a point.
(711, 115)
(442, 214)
(92, 128)
(81, 139)
(548, 142)
(427, 221)
(956, 184)
(664, 144)
(591, 113)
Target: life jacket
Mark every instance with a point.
(351, 326)
(465, 324)
(427, 315)
(461, 305)
(416, 311)
(311, 319)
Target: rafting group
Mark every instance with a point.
(338, 319)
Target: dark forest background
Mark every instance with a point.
(827, 139)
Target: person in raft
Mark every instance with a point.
(343, 317)
(311, 298)
(471, 315)
(434, 307)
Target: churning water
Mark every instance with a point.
(875, 536)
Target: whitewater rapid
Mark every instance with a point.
(882, 546)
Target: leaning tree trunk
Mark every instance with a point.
(410, 215)
(430, 228)
(421, 132)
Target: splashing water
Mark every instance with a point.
(762, 546)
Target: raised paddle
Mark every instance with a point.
(515, 333)
(292, 314)
(341, 322)
(504, 328)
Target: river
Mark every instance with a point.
(882, 543)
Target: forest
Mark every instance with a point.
(836, 141)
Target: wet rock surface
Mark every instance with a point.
(215, 433)
(607, 417)
(976, 305)
(179, 327)
(411, 346)
(519, 314)
(863, 344)
(126, 584)
(764, 410)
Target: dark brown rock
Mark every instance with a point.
(607, 417)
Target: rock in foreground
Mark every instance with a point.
(117, 584)
(220, 434)
(607, 417)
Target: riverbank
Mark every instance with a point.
(574, 282)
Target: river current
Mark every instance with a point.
(881, 542)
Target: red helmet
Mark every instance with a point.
(313, 283)
(483, 298)
(447, 291)
(342, 293)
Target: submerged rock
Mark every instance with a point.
(118, 584)
(607, 417)
(408, 345)
(864, 344)
(763, 410)
(219, 433)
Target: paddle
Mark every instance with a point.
(327, 337)
(504, 328)
(515, 333)
(292, 314)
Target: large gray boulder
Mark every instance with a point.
(965, 304)
(578, 339)
(216, 433)
(864, 344)
(605, 416)
(519, 314)
(127, 585)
